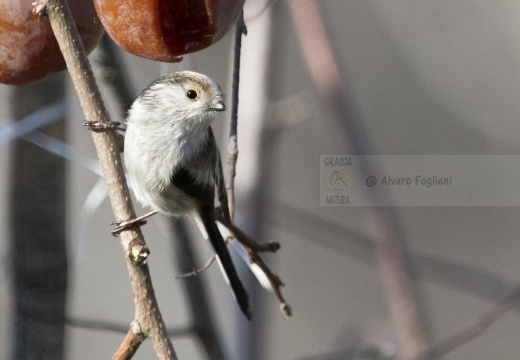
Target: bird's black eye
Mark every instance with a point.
(192, 94)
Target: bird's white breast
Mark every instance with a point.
(156, 150)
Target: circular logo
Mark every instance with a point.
(338, 181)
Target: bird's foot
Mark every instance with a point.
(99, 126)
(125, 225)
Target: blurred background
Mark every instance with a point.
(416, 77)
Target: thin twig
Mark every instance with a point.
(197, 271)
(133, 339)
(104, 325)
(475, 328)
(273, 279)
(147, 314)
(252, 249)
(444, 272)
(232, 152)
(356, 245)
(198, 309)
(100, 325)
(244, 239)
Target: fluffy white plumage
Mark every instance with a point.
(172, 158)
(165, 128)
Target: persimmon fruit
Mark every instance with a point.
(165, 29)
(28, 49)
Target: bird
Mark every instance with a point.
(173, 161)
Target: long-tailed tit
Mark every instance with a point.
(173, 161)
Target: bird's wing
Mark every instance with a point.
(221, 189)
(203, 193)
(202, 164)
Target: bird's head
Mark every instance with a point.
(185, 98)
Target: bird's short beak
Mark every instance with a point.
(217, 106)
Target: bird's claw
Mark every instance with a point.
(102, 126)
(125, 225)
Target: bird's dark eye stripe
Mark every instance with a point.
(192, 94)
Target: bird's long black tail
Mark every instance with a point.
(208, 220)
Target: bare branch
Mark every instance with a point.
(130, 344)
(232, 152)
(252, 249)
(104, 325)
(274, 280)
(475, 328)
(147, 313)
(243, 238)
(204, 267)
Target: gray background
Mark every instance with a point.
(429, 77)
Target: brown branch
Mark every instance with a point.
(232, 152)
(197, 271)
(252, 249)
(321, 63)
(147, 314)
(475, 328)
(130, 344)
(243, 238)
(360, 246)
(273, 279)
